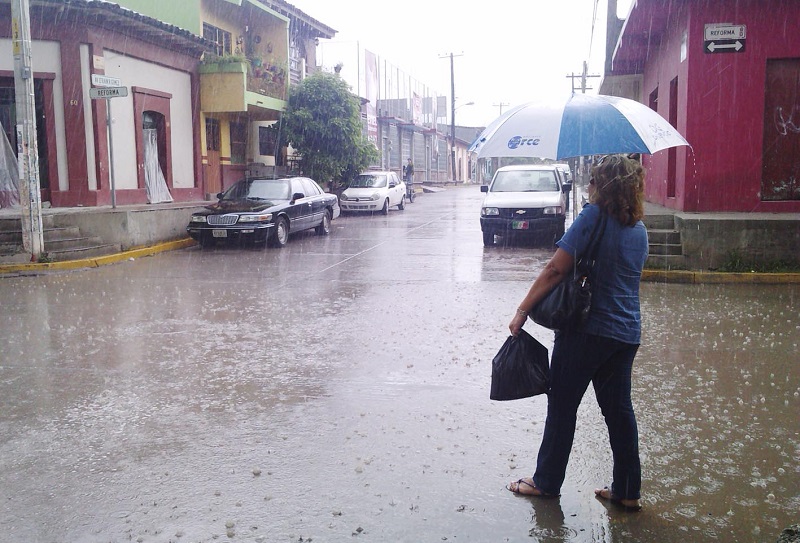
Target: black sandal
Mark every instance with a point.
(537, 492)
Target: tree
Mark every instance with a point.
(322, 122)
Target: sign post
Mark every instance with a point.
(108, 93)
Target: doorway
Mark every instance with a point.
(213, 172)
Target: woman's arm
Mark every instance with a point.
(554, 272)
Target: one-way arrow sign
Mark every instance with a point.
(714, 47)
(724, 38)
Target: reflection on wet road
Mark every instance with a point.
(337, 389)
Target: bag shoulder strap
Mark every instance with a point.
(590, 255)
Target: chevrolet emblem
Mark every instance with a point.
(520, 212)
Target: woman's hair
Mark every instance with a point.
(619, 187)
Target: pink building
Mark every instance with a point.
(727, 76)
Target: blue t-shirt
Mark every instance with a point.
(616, 274)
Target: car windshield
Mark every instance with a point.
(525, 181)
(259, 189)
(368, 181)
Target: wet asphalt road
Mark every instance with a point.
(337, 390)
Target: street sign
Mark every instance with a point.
(724, 38)
(108, 92)
(105, 81)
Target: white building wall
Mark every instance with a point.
(133, 72)
(46, 57)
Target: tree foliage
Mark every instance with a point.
(323, 124)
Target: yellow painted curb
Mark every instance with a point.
(700, 277)
(97, 261)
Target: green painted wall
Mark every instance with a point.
(181, 13)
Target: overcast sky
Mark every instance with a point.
(510, 51)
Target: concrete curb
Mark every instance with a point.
(95, 262)
(648, 275)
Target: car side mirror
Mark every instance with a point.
(566, 187)
(392, 184)
(484, 188)
(219, 196)
(298, 196)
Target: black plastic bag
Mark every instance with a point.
(520, 369)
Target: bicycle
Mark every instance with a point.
(410, 191)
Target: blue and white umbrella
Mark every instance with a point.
(583, 125)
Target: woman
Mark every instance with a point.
(600, 351)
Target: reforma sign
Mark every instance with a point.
(108, 92)
(724, 38)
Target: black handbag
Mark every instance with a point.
(520, 369)
(569, 303)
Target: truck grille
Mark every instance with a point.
(529, 213)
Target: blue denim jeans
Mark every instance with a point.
(577, 360)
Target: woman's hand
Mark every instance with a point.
(516, 323)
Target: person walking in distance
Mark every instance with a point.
(408, 178)
(601, 350)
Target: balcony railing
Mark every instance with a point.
(225, 84)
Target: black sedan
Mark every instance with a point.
(265, 210)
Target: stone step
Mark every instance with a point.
(84, 251)
(665, 249)
(14, 223)
(665, 262)
(76, 242)
(665, 237)
(48, 234)
(659, 222)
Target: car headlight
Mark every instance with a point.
(487, 211)
(343, 197)
(376, 196)
(256, 218)
(198, 218)
(552, 210)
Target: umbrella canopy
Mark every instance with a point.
(583, 125)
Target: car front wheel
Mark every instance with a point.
(488, 239)
(402, 205)
(385, 209)
(280, 236)
(324, 228)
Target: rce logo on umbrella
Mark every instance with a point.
(519, 141)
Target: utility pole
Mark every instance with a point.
(501, 105)
(27, 150)
(583, 77)
(452, 114)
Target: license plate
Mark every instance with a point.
(219, 233)
(519, 225)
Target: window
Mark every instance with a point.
(212, 135)
(310, 188)
(238, 142)
(221, 37)
(672, 153)
(266, 140)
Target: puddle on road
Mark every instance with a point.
(337, 410)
